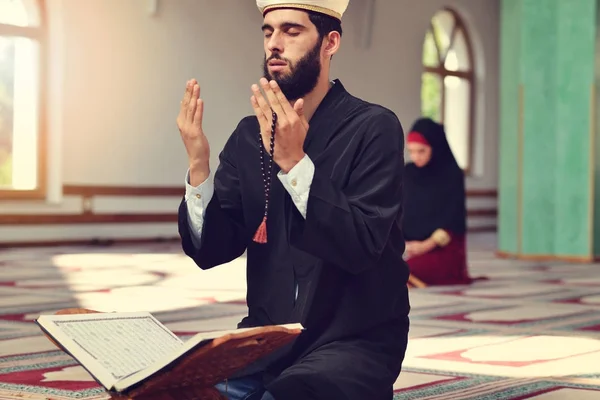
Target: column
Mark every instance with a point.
(547, 123)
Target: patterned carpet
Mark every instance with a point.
(531, 332)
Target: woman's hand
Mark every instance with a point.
(416, 248)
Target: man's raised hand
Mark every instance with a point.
(292, 125)
(189, 122)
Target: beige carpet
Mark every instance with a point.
(531, 332)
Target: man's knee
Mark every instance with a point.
(303, 386)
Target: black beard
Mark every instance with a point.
(303, 75)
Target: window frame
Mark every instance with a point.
(39, 34)
(470, 76)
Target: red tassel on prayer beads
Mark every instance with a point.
(261, 233)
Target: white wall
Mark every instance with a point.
(118, 73)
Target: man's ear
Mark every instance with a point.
(332, 43)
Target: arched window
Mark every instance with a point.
(447, 91)
(21, 88)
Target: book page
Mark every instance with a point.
(112, 345)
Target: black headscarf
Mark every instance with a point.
(434, 194)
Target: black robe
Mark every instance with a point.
(434, 195)
(346, 255)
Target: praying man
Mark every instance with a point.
(310, 188)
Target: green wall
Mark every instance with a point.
(538, 76)
(548, 53)
(574, 120)
(596, 213)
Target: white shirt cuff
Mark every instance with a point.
(202, 192)
(197, 199)
(297, 182)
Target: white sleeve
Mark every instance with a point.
(196, 200)
(297, 182)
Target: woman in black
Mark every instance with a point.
(435, 208)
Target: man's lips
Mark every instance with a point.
(277, 63)
(277, 67)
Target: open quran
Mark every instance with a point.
(134, 356)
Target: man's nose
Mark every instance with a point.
(275, 44)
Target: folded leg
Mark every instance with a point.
(345, 370)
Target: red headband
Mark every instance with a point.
(416, 137)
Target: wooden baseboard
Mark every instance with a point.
(88, 242)
(545, 257)
(86, 218)
(482, 212)
(123, 191)
(88, 192)
(490, 193)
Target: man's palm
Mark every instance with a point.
(189, 122)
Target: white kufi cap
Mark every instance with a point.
(333, 8)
